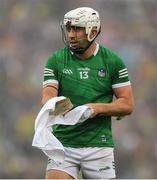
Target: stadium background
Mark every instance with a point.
(29, 32)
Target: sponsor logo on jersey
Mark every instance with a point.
(67, 71)
(123, 73)
(83, 69)
(101, 72)
(103, 138)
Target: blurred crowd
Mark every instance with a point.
(29, 32)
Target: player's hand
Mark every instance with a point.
(94, 107)
(62, 107)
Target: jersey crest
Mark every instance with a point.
(101, 72)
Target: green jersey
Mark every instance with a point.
(90, 80)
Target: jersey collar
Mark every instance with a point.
(96, 49)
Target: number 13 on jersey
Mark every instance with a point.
(83, 74)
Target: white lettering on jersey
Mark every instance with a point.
(84, 74)
(67, 71)
(83, 71)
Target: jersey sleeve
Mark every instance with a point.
(50, 71)
(119, 75)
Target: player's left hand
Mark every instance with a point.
(94, 107)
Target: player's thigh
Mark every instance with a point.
(57, 174)
(68, 168)
(98, 164)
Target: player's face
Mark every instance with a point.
(77, 37)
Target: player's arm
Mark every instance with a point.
(121, 106)
(50, 80)
(124, 102)
(49, 91)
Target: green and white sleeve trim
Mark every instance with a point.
(50, 81)
(48, 72)
(123, 73)
(121, 85)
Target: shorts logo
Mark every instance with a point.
(49, 161)
(52, 162)
(101, 72)
(104, 169)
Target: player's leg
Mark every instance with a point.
(98, 163)
(56, 174)
(68, 169)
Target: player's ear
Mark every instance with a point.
(93, 32)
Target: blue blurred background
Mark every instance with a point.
(29, 32)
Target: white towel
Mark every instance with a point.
(44, 138)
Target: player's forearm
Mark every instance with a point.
(45, 99)
(119, 107)
(48, 93)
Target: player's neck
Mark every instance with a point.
(88, 53)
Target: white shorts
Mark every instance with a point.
(94, 163)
